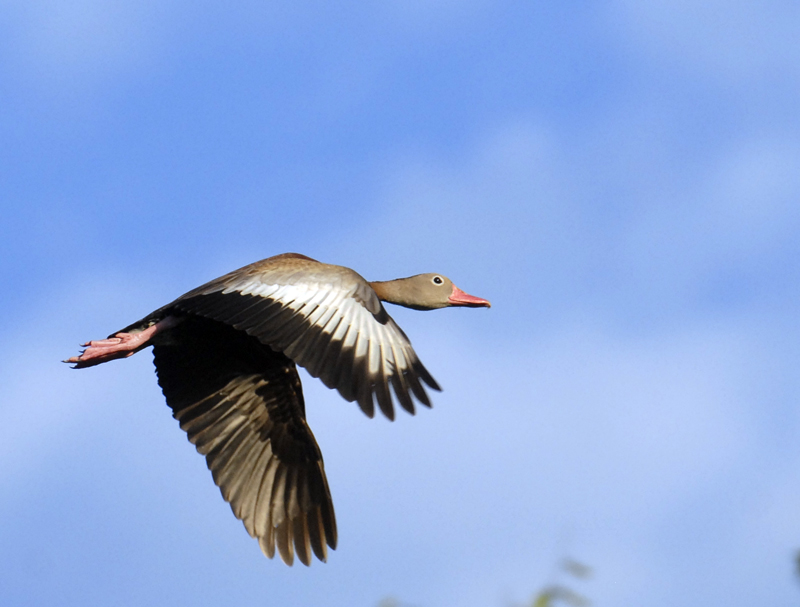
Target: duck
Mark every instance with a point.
(226, 356)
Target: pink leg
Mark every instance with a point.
(121, 345)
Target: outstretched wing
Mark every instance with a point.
(241, 404)
(326, 319)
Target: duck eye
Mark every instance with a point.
(437, 280)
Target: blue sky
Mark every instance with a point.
(620, 179)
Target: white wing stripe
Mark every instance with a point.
(399, 357)
(322, 317)
(336, 323)
(351, 332)
(374, 348)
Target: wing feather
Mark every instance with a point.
(329, 322)
(241, 405)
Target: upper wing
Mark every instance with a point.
(331, 323)
(241, 404)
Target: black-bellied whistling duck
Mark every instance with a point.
(225, 354)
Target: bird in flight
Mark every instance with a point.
(226, 355)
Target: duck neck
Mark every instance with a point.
(398, 292)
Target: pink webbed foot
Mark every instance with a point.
(121, 345)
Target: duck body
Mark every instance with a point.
(226, 355)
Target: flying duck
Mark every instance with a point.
(225, 355)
